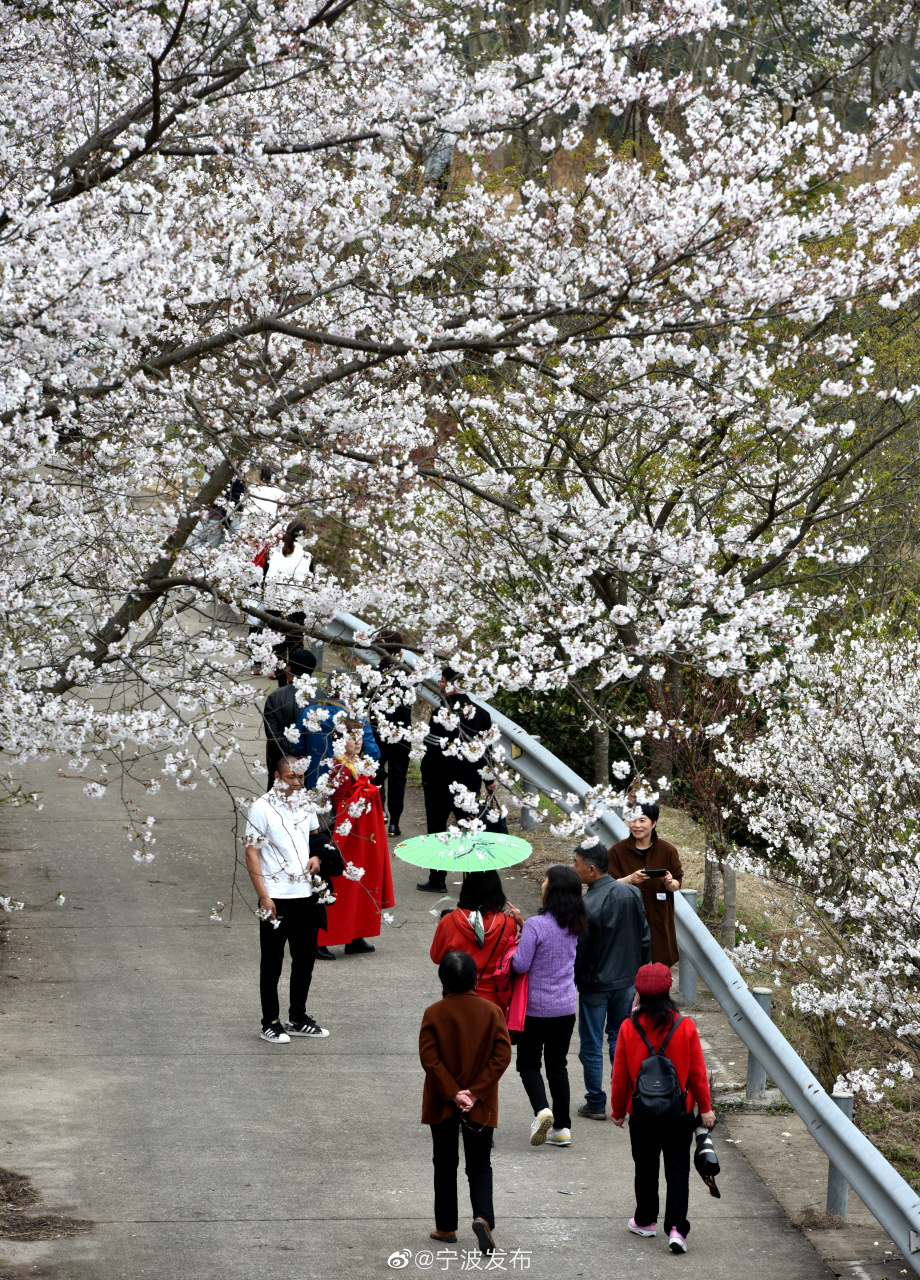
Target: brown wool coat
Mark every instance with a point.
(463, 1044)
(624, 860)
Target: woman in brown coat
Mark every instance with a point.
(628, 860)
(465, 1049)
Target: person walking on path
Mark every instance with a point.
(465, 1050)
(281, 710)
(445, 767)
(546, 952)
(360, 834)
(606, 962)
(482, 925)
(659, 1078)
(629, 859)
(282, 857)
(289, 568)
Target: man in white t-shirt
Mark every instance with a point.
(281, 866)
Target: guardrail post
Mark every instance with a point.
(316, 648)
(838, 1189)
(686, 974)
(756, 1085)
(528, 819)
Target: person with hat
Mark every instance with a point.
(392, 721)
(281, 710)
(447, 769)
(660, 1080)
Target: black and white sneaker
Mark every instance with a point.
(307, 1028)
(274, 1033)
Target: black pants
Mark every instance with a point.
(649, 1142)
(299, 925)
(547, 1038)
(477, 1150)
(391, 776)
(440, 801)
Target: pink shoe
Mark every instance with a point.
(677, 1243)
(642, 1231)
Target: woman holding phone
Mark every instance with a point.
(653, 866)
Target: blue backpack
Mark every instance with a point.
(657, 1095)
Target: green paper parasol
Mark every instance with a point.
(487, 851)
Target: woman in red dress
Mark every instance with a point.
(360, 834)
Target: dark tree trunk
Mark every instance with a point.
(710, 902)
(729, 906)
(600, 739)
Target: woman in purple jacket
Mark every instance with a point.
(546, 952)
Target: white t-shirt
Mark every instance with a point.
(281, 832)
(285, 576)
(265, 497)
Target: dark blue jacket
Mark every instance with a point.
(317, 746)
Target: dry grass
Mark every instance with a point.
(18, 1221)
(812, 1219)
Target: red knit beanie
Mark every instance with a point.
(653, 980)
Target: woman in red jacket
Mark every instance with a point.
(656, 1014)
(482, 924)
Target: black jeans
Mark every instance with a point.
(548, 1038)
(440, 801)
(477, 1150)
(649, 1142)
(298, 927)
(391, 776)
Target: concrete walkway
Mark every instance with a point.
(138, 1095)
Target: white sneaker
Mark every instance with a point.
(542, 1121)
(559, 1138)
(274, 1033)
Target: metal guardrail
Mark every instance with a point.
(880, 1187)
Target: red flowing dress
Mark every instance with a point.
(358, 903)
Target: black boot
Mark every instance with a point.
(358, 947)
(436, 883)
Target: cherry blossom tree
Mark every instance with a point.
(830, 794)
(591, 423)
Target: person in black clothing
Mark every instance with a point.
(441, 768)
(397, 715)
(607, 960)
(281, 710)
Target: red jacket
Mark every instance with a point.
(455, 933)
(684, 1051)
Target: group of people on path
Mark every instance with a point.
(599, 949)
(310, 736)
(589, 952)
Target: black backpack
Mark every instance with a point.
(657, 1094)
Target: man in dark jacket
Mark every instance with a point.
(444, 763)
(607, 959)
(281, 710)
(392, 715)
